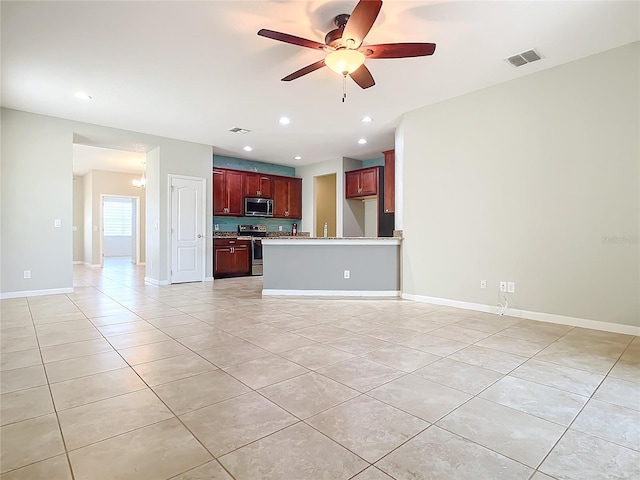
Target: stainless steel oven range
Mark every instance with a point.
(257, 233)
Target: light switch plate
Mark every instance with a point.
(57, 223)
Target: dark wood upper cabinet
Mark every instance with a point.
(230, 187)
(389, 181)
(370, 181)
(257, 185)
(228, 192)
(362, 183)
(295, 198)
(287, 198)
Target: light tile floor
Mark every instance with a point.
(211, 381)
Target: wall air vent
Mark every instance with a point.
(238, 130)
(524, 58)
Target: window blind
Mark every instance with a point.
(117, 216)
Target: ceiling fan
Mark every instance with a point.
(346, 52)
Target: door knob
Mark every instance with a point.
(199, 235)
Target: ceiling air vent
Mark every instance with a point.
(238, 130)
(524, 58)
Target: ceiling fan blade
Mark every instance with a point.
(398, 50)
(292, 39)
(360, 22)
(362, 76)
(303, 71)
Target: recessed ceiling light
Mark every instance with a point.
(83, 96)
(366, 119)
(297, 157)
(362, 141)
(247, 148)
(284, 121)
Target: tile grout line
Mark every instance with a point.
(62, 437)
(166, 406)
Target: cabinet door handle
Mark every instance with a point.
(233, 250)
(259, 192)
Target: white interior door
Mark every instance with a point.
(187, 229)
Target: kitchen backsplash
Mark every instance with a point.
(269, 234)
(230, 224)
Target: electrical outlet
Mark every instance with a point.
(483, 284)
(347, 274)
(216, 227)
(279, 228)
(27, 274)
(503, 287)
(511, 287)
(57, 223)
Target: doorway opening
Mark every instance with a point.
(325, 205)
(120, 221)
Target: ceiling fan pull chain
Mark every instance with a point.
(344, 88)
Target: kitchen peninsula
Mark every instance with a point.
(350, 266)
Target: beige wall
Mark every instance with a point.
(78, 219)
(370, 217)
(37, 188)
(534, 181)
(325, 205)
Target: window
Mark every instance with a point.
(117, 217)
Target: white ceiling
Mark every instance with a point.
(86, 158)
(192, 70)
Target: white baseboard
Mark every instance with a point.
(78, 262)
(35, 293)
(208, 279)
(529, 315)
(332, 293)
(153, 281)
(87, 264)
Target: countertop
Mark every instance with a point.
(332, 240)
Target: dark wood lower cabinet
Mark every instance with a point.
(231, 258)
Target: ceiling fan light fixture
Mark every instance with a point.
(344, 61)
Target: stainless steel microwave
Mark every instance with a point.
(258, 207)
